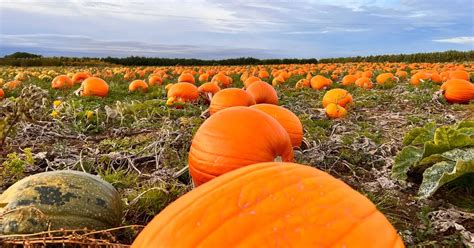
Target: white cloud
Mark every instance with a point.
(465, 40)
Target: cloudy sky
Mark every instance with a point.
(222, 29)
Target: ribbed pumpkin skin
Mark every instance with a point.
(458, 91)
(349, 80)
(67, 199)
(186, 78)
(385, 77)
(94, 86)
(234, 138)
(263, 92)
(290, 122)
(340, 97)
(230, 97)
(250, 80)
(318, 82)
(271, 205)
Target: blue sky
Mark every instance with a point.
(210, 29)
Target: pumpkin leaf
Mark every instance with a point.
(447, 171)
(445, 139)
(409, 156)
(420, 135)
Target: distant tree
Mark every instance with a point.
(22, 55)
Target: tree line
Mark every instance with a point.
(28, 59)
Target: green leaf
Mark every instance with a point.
(445, 139)
(445, 172)
(406, 158)
(420, 135)
(466, 124)
(433, 159)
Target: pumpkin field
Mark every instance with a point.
(358, 154)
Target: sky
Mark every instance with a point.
(210, 29)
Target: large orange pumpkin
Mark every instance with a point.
(138, 85)
(349, 80)
(458, 91)
(61, 82)
(94, 86)
(340, 97)
(233, 138)
(459, 74)
(290, 122)
(263, 92)
(182, 92)
(230, 97)
(271, 205)
(385, 78)
(318, 82)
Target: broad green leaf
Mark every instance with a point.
(420, 135)
(446, 139)
(442, 173)
(465, 154)
(466, 124)
(469, 131)
(405, 159)
(433, 159)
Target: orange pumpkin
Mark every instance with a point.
(290, 122)
(458, 91)
(79, 77)
(186, 78)
(262, 92)
(436, 78)
(340, 97)
(278, 80)
(222, 80)
(302, 83)
(319, 82)
(251, 80)
(230, 97)
(138, 85)
(459, 74)
(182, 92)
(12, 84)
(61, 82)
(401, 74)
(155, 80)
(234, 138)
(263, 74)
(419, 77)
(2, 94)
(203, 77)
(271, 205)
(364, 82)
(349, 80)
(94, 86)
(385, 78)
(334, 111)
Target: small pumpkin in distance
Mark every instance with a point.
(263, 92)
(59, 200)
(236, 137)
(349, 80)
(334, 111)
(271, 205)
(289, 121)
(138, 85)
(230, 97)
(155, 80)
(11, 85)
(364, 82)
(302, 83)
(207, 90)
(94, 86)
(338, 96)
(79, 77)
(186, 78)
(62, 82)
